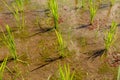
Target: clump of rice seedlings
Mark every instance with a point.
(18, 13)
(65, 73)
(93, 10)
(2, 68)
(17, 10)
(61, 43)
(111, 35)
(20, 5)
(82, 3)
(112, 2)
(17, 16)
(54, 10)
(10, 43)
(118, 76)
(108, 41)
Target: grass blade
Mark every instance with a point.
(2, 68)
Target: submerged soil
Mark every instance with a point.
(38, 46)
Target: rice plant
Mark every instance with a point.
(2, 68)
(17, 16)
(82, 3)
(112, 2)
(65, 73)
(18, 13)
(111, 35)
(10, 43)
(54, 10)
(61, 43)
(20, 5)
(93, 10)
(118, 76)
(17, 10)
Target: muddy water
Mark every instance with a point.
(80, 37)
(80, 27)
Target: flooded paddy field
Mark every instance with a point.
(41, 38)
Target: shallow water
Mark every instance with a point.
(38, 44)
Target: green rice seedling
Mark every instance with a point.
(118, 76)
(20, 5)
(93, 10)
(17, 16)
(10, 43)
(17, 9)
(54, 10)
(112, 2)
(110, 37)
(82, 3)
(2, 68)
(61, 43)
(18, 13)
(65, 73)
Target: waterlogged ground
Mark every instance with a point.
(37, 44)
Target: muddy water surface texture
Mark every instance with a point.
(37, 44)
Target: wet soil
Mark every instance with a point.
(38, 46)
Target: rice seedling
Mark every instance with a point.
(10, 43)
(93, 10)
(54, 10)
(61, 43)
(20, 5)
(82, 3)
(118, 75)
(2, 68)
(111, 35)
(112, 2)
(109, 39)
(65, 73)
(17, 10)
(17, 16)
(18, 13)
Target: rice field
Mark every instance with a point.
(59, 39)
